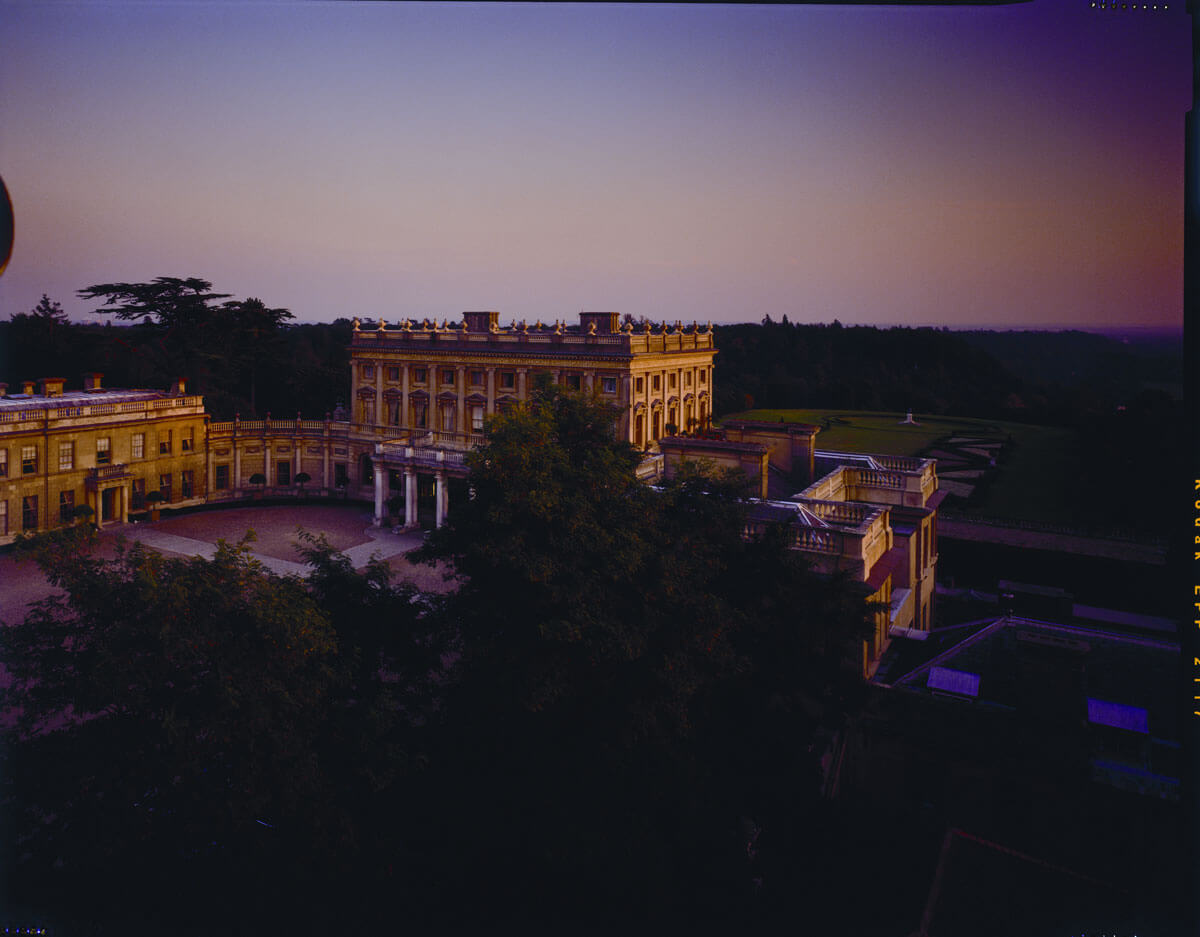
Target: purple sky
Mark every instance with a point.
(1017, 165)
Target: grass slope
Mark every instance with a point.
(1032, 483)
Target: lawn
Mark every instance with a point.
(1032, 483)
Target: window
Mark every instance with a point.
(448, 418)
(164, 442)
(639, 385)
(341, 477)
(687, 378)
(187, 486)
(368, 372)
(656, 383)
(508, 380)
(394, 411)
(164, 486)
(29, 512)
(477, 378)
(703, 377)
(3, 463)
(477, 419)
(283, 472)
(574, 382)
(29, 462)
(608, 385)
(103, 450)
(420, 414)
(137, 447)
(366, 472)
(66, 506)
(66, 456)
(393, 374)
(186, 438)
(222, 478)
(418, 375)
(138, 499)
(3, 518)
(447, 376)
(671, 381)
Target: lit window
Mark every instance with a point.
(477, 419)
(29, 461)
(66, 456)
(103, 450)
(138, 446)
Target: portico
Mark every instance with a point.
(414, 460)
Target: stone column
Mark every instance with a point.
(410, 495)
(379, 402)
(440, 499)
(404, 396)
(589, 379)
(460, 423)
(521, 373)
(237, 465)
(380, 484)
(123, 504)
(491, 391)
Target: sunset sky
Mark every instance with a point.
(1014, 166)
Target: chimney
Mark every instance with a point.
(480, 321)
(27, 388)
(91, 381)
(605, 322)
(3, 390)
(51, 386)
(178, 387)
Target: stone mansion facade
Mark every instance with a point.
(420, 394)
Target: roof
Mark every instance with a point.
(75, 398)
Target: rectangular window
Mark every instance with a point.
(221, 479)
(66, 506)
(103, 450)
(187, 484)
(394, 411)
(508, 380)
(447, 376)
(164, 442)
(687, 378)
(164, 487)
(477, 419)
(3, 463)
(137, 501)
(671, 381)
(448, 418)
(574, 382)
(187, 436)
(639, 385)
(420, 413)
(29, 460)
(608, 385)
(29, 512)
(393, 374)
(368, 372)
(3, 518)
(418, 375)
(476, 378)
(283, 472)
(137, 447)
(657, 383)
(703, 377)
(66, 456)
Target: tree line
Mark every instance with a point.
(614, 719)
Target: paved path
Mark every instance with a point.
(383, 544)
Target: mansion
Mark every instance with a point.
(420, 395)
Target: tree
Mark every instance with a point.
(172, 713)
(602, 705)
